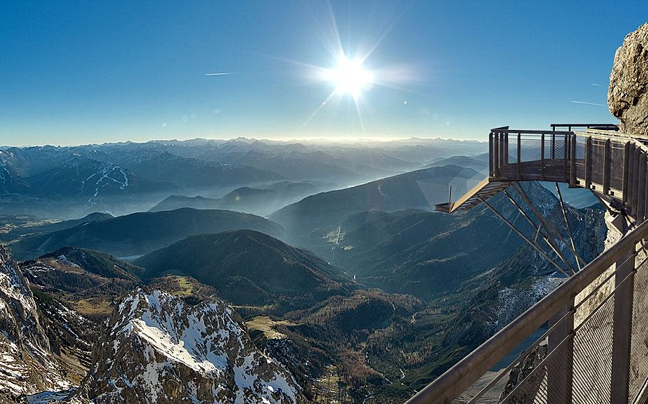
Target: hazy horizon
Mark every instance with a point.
(331, 140)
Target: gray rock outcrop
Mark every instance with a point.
(159, 349)
(628, 91)
(27, 365)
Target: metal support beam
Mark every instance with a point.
(545, 237)
(548, 225)
(525, 238)
(569, 230)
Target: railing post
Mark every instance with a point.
(561, 368)
(645, 190)
(632, 163)
(506, 149)
(634, 183)
(572, 166)
(519, 155)
(565, 157)
(622, 323)
(491, 173)
(496, 149)
(641, 193)
(498, 143)
(542, 157)
(553, 146)
(588, 163)
(606, 167)
(626, 189)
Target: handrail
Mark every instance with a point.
(554, 158)
(463, 374)
(505, 129)
(556, 149)
(604, 126)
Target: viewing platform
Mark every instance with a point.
(598, 158)
(587, 340)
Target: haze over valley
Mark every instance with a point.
(328, 259)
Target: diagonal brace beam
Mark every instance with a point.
(545, 237)
(548, 225)
(525, 238)
(569, 230)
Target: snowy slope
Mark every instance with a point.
(159, 349)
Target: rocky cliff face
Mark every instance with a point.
(27, 365)
(628, 95)
(159, 349)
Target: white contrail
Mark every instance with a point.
(217, 74)
(598, 85)
(589, 103)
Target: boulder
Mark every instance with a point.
(628, 92)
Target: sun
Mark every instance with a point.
(349, 77)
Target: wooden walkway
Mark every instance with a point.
(482, 191)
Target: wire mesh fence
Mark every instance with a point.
(577, 366)
(574, 357)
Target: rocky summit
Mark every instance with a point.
(27, 365)
(627, 94)
(159, 349)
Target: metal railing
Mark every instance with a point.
(521, 155)
(596, 126)
(614, 166)
(595, 322)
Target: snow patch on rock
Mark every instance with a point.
(164, 350)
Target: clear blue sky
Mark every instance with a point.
(75, 72)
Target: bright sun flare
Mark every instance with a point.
(349, 77)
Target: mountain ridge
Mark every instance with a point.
(140, 233)
(248, 267)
